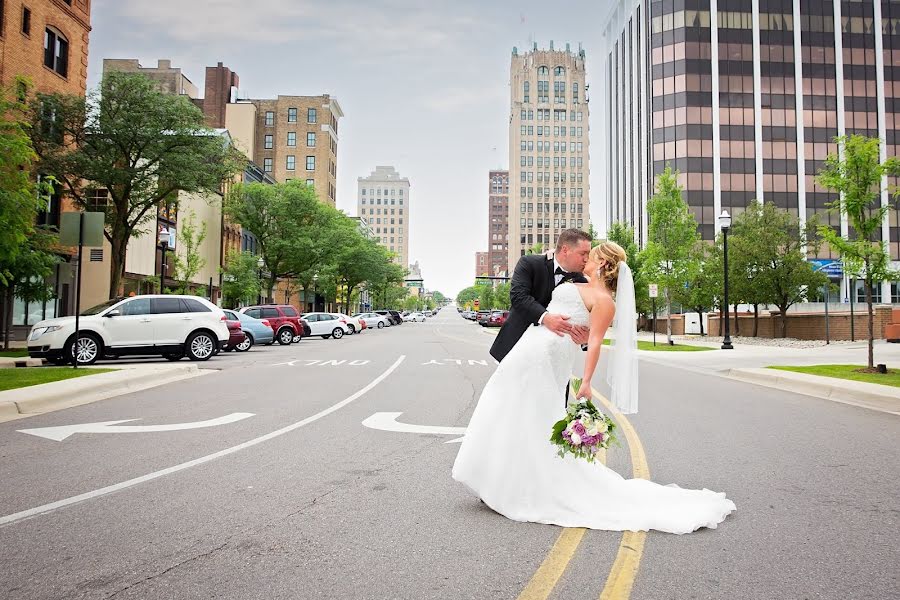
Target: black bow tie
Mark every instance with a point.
(566, 275)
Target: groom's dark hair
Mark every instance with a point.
(571, 237)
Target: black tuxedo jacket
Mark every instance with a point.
(532, 285)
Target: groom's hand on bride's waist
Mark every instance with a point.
(580, 334)
(558, 324)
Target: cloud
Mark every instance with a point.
(379, 28)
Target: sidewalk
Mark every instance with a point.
(747, 363)
(48, 397)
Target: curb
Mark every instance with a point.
(10, 363)
(856, 393)
(48, 397)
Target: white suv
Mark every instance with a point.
(326, 324)
(172, 326)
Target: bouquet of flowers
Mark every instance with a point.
(584, 431)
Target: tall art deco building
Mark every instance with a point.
(548, 148)
(744, 99)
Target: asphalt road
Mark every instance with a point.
(301, 500)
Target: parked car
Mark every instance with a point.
(235, 333)
(497, 318)
(172, 326)
(392, 315)
(415, 317)
(373, 320)
(468, 314)
(354, 324)
(481, 316)
(284, 319)
(326, 325)
(256, 331)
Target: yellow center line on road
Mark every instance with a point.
(631, 548)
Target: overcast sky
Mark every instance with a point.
(424, 87)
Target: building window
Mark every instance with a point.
(56, 52)
(311, 139)
(525, 90)
(311, 115)
(292, 139)
(291, 162)
(270, 118)
(267, 165)
(26, 21)
(292, 115)
(269, 141)
(311, 182)
(310, 163)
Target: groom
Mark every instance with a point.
(533, 282)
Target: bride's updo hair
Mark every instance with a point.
(613, 254)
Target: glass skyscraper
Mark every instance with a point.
(744, 99)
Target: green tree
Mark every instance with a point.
(189, 265)
(126, 148)
(467, 296)
(485, 297)
(290, 226)
(386, 287)
(19, 193)
(240, 282)
(672, 236)
(778, 246)
(501, 296)
(536, 249)
(28, 273)
(705, 280)
(858, 174)
(438, 297)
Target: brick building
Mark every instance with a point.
(47, 42)
(482, 266)
(498, 222)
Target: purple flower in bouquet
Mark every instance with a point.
(579, 429)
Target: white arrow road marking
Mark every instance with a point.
(387, 421)
(62, 432)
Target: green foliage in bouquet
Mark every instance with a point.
(584, 431)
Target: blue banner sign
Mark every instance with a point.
(833, 268)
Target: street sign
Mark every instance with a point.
(477, 303)
(654, 290)
(70, 225)
(833, 268)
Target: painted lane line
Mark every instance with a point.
(45, 508)
(624, 570)
(63, 431)
(545, 578)
(387, 421)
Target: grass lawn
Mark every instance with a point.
(662, 346)
(13, 378)
(892, 377)
(21, 353)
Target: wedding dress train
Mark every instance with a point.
(506, 457)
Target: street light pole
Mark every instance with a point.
(725, 224)
(164, 235)
(315, 292)
(260, 263)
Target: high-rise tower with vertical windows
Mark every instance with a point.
(498, 223)
(548, 148)
(383, 201)
(744, 98)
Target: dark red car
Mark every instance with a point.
(284, 318)
(497, 318)
(235, 335)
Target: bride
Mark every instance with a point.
(506, 457)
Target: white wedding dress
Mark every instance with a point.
(507, 459)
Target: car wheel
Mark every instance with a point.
(200, 345)
(380, 324)
(173, 356)
(338, 333)
(352, 329)
(285, 337)
(246, 344)
(86, 350)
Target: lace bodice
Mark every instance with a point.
(566, 300)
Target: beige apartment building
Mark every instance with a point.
(296, 137)
(549, 166)
(383, 201)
